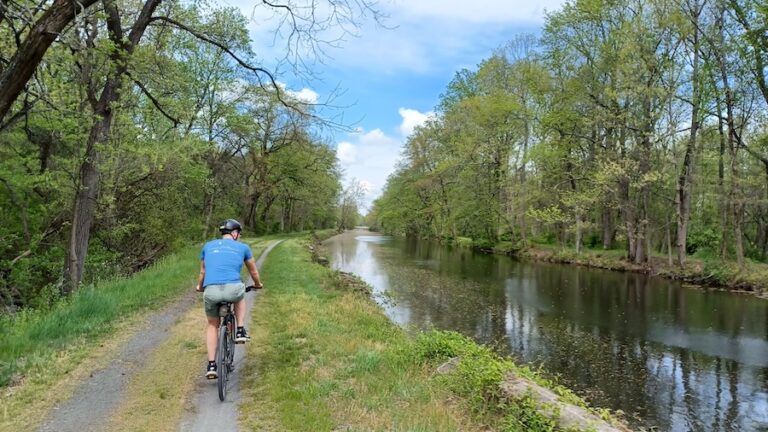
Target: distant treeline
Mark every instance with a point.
(628, 124)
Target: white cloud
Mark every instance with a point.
(412, 119)
(346, 152)
(417, 36)
(305, 95)
(369, 157)
(478, 11)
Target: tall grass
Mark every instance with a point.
(31, 337)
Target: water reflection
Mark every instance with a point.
(674, 358)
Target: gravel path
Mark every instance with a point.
(206, 412)
(95, 399)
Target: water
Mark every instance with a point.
(672, 358)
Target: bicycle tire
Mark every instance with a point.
(231, 351)
(221, 359)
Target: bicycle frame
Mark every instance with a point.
(225, 347)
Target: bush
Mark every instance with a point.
(463, 242)
(483, 244)
(478, 377)
(507, 248)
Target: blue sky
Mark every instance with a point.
(391, 78)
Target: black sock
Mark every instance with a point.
(211, 363)
(240, 328)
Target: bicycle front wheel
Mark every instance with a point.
(222, 356)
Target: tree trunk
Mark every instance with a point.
(668, 241)
(724, 203)
(641, 240)
(85, 199)
(738, 233)
(735, 200)
(577, 210)
(762, 238)
(85, 204)
(47, 28)
(629, 218)
(578, 233)
(209, 207)
(683, 196)
(523, 195)
(265, 214)
(608, 229)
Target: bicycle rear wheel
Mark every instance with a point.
(222, 357)
(231, 349)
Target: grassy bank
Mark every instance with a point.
(325, 357)
(704, 270)
(31, 339)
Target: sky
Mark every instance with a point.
(385, 80)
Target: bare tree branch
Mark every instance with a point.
(155, 102)
(257, 70)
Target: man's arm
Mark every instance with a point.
(250, 263)
(199, 286)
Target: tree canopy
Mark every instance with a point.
(127, 128)
(633, 124)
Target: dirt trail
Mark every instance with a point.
(96, 399)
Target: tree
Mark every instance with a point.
(109, 171)
(350, 201)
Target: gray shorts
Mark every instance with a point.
(215, 294)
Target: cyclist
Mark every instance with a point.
(220, 264)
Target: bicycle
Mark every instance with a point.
(225, 348)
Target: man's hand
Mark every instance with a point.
(198, 288)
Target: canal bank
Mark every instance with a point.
(326, 357)
(750, 279)
(670, 357)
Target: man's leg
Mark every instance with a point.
(240, 312)
(211, 336)
(241, 336)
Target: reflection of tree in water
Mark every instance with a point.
(624, 341)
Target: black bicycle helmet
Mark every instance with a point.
(229, 225)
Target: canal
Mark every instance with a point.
(672, 358)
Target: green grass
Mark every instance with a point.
(327, 358)
(31, 338)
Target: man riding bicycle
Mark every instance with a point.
(220, 264)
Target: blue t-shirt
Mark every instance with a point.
(223, 260)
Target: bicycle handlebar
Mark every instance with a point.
(253, 288)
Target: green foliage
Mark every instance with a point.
(507, 248)
(477, 377)
(196, 142)
(583, 137)
(524, 415)
(703, 240)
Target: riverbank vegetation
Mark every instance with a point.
(633, 125)
(325, 357)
